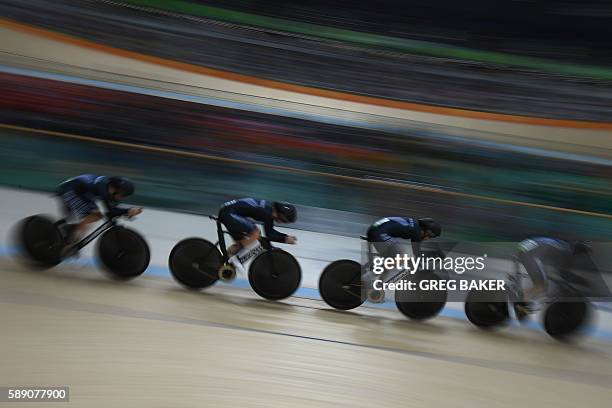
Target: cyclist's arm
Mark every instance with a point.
(271, 233)
(112, 209)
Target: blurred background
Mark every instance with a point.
(492, 117)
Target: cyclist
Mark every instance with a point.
(388, 234)
(79, 195)
(238, 216)
(539, 254)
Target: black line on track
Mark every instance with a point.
(24, 298)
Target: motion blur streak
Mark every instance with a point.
(494, 118)
(402, 167)
(307, 172)
(308, 90)
(591, 141)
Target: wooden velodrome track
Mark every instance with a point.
(150, 343)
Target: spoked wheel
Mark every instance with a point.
(565, 320)
(195, 263)
(40, 241)
(487, 309)
(421, 304)
(123, 253)
(340, 285)
(275, 274)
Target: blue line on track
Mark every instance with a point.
(311, 293)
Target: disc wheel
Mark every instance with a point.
(275, 274)
(340, 285)
(420, 304)
(195, 263)
(123, 253)
(487, 309)
(565, 320)
(40, 241)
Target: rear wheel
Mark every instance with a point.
(123, 253)
(421, 304)
(195, 263)
(40, 241)
(340, 285)
(275, 274)
(487, 309)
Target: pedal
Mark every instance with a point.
(227, 272)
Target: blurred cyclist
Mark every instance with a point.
(388, 235)
(238, 216)
(539, 254)
(79, 196)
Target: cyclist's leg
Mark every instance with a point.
(82, 211)
(379, 245)
(386, 247)
(529, 302)
(242, 230)
(252, 236)
(537, 273)
(392, 248)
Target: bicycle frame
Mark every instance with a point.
(108, 224)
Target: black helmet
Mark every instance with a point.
(123, 186)
(582, 247)
(431, 225)
(285, 211)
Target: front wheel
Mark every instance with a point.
(123, 253)
(340, 285)
(275, 274)
(39, 239)
(195, 263)
(564, 321)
